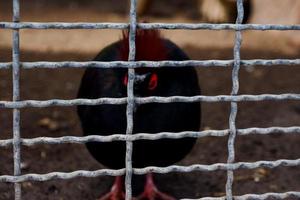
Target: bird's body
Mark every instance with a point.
(147, 118)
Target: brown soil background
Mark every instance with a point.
(82, 45)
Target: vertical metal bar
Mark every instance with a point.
(130, 101)
(234, 105)
(16, 97)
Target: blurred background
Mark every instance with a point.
(83, 45)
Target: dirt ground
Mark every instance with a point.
(42, 84)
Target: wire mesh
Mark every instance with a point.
(16, 97)
(131, 101)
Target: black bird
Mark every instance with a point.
(148, 118)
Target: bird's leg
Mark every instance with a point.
(151, 192)
(116, 192)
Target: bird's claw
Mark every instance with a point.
(155, 195)
(152, 193)
(113, 196)
(116, 192)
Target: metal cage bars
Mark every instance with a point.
(16, 97)
(16, 104)
(136, 64)
(234, 105)
(147, 136)
(170, 26)
(130, 102)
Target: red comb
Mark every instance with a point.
(149, 45)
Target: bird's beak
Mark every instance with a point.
(140, 78)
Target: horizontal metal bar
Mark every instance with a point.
(62, 25)
(141, 171)
(269, 195)
(145, 100)
(265, 196)
(60, 102)
(61, 175)
(265, 62)
(147, 136)
(218, 166)
(209, 26)
(172, 26)
(136, 64)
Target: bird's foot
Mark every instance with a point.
(152, 193)
(116, 192)
(155, 195)
(113, 196)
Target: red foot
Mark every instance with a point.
(152, 193)
(116, 192)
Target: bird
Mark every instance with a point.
(149, 118)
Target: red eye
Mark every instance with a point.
(125, 80)
(153, 82)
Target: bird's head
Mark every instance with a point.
(149, 47)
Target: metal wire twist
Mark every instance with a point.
(130, 101)
(16, 97)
